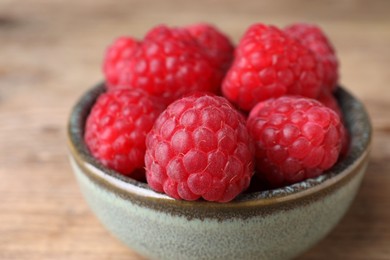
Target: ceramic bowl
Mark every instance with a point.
(274, 224)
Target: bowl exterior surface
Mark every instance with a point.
(279, 232)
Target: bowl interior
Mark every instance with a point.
(356, 121)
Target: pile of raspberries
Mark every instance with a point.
(198, 118)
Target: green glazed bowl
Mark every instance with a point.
(274, 224)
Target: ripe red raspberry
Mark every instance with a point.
(169, 63)
(296, 138)
(161, 33)
(330, 101)
(117, 57)
(217, 45)
(315, 39)
(116, 128)
(199, 147)
(269, 64)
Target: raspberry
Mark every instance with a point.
(161, 33)
(315, 39)
(199, 147)
(169, 63)
(330, 101)
(296, 138)
(117, 56)
(217, 46)
(270, 64)
(116, 128)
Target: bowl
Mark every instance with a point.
(273, 224)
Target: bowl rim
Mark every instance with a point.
(129, 188)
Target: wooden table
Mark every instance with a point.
(51, 52)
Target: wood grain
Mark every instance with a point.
(51, 52)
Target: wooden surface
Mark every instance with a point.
(50, 53)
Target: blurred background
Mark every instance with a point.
(51, 52)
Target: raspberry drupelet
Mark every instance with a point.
(198, 148)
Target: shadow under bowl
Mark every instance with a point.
(274, 224)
